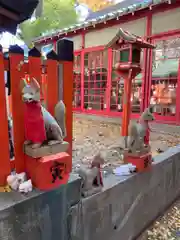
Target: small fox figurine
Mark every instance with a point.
(40, 125)
(92, 178)
(139, 132)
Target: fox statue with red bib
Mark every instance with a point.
(40, 125)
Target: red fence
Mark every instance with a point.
(34, 68)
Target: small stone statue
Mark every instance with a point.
(91, 177)
(40, 125)
(138, 139)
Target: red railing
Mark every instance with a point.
(47, 76)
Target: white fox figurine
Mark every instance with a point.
(138, 133)
(40, 125)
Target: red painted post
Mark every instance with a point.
(68, 99)
(52, 85)
(147, 66)
(109, 80)
(126, 105)
(17, 73)
(65, 55)
(35, 66)
(82, 80)
(5, 168)
(178, 97)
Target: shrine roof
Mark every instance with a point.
(124, 37)
(103, 16)
(13, 12)
(110, 9)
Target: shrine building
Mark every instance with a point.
(97, 88)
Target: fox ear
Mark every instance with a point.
(34, 83)
(23, 83)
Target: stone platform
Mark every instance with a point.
(128, 204)
(38, 215)
(124, 208)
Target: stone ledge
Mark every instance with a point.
(45, 150)
(127, 205)
(38, 215)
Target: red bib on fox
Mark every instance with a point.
(34, 122)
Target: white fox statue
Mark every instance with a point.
(40, 125)
(138, 133)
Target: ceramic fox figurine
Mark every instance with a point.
(40, 125)
(139, 132)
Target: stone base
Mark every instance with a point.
(128, 204)
(142, 162)
(146, 150)
(49, 172)
(38, 215)
(45, 150)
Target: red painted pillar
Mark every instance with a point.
(68, 99)
(65, 54)
(5, 168)
(16, 57)
(126, 105)
(82, 80)
(147, 68)
(109, 79)
(178, 96)
(52, 85)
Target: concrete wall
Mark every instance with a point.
(129, 204)
(38, 216)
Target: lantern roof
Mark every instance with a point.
(14, 12)
(124, 37)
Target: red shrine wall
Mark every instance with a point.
(97, 90)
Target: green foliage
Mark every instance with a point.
(56, 14)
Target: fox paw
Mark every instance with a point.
(36, 145)
(53, 142)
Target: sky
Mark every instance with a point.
(8, 39)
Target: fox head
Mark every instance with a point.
(147, 115)
(30, 91)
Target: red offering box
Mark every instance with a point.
(142, 162)
(49, 172)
